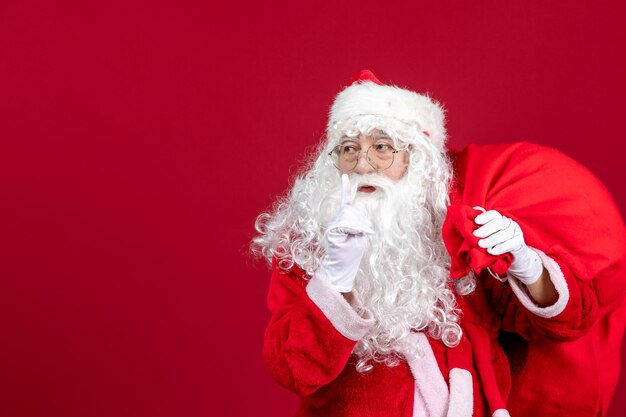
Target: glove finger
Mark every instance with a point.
(353, 219)
(345, 190)
(358, 216)
(500, 249)
(492, 227)
(479, 208)
(487, 217)
(348, 230)
(361, 242)
(497, 238)
(504, 247)
(353, 229)
(345, 248)
(516, 242)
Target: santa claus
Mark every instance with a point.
(402, 270)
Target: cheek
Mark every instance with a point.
(399, 167)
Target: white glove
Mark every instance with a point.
(346, 242)
(500, 235)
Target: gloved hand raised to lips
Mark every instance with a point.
(346, 242)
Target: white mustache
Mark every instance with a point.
(382, 184)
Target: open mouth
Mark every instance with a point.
(367, 189)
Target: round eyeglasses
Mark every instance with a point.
(345, 157)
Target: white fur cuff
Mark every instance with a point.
(352, 321)
(557, 278)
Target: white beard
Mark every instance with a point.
(403, 277)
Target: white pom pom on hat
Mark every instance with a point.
(366, 95)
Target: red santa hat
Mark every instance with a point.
(365, 95)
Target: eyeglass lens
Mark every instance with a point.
(379, 156)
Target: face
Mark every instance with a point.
(373, 153)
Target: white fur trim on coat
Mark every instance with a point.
(429, 381)
(557, 278)
(461, 393)
(419, 405)
(432, 396)
(351, 320)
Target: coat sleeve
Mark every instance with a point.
(569, 318)
(312, 331)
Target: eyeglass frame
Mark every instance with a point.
(394, 152)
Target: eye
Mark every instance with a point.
(383, 147)
(348, 149)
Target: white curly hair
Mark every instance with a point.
(404, 276)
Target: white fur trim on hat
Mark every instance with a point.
(368, 98)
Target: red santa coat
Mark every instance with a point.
(313, 329)
(308, 347)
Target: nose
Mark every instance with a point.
(362, 165)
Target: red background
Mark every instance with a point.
(139, 141)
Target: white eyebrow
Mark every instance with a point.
(381, 135)
(348, 138)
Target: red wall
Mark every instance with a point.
(139, 140)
